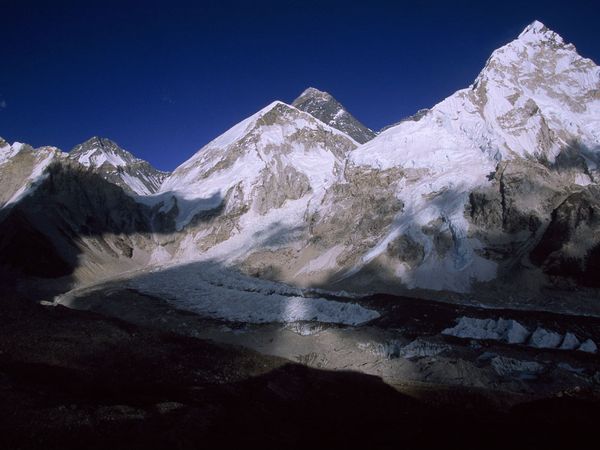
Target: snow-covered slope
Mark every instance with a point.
(264, 173)
(328, 110)
(535, 98)
(21, 169)
(118, 166)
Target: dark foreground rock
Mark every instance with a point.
(74, 379)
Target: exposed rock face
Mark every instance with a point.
(118, 166)
(570, 245)
(508, 214)
(327, 109)
(356, 213)
(280, 187)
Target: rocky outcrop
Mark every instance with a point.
(277, 188)
(570, 245)
(356, 212)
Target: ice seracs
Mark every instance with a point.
(506, 330)
(505, 366)
(511, 331)
(570, 342)
(542, 338)
(211, 291)
(588, 346)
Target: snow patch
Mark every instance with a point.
(326, 260)
(96, 158)
(8, 151)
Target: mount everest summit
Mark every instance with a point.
(490, 194)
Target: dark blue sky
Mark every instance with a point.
(162, 78)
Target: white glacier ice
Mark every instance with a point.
(213, 291)
(506, 330)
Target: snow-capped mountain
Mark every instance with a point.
(265, 173)
(327, 109)
(455, 197)
(481, 172)
(493, 191)
(60, 216)
(118, 166)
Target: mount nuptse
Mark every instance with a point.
(491, 192)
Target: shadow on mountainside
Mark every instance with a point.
(75, 211)
(73, 379)
(75, 216)
(575, 155)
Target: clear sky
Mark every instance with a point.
(163, 78)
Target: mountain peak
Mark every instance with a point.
(117, 165)
(536, 31)
(97, 151)
(327, 109)
(538, 53)
(314, 92)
